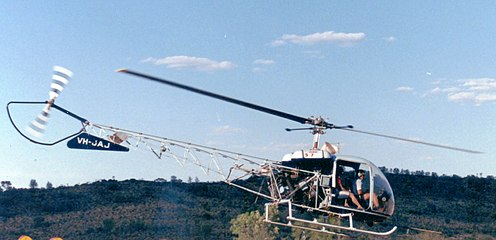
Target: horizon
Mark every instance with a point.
(196, 179)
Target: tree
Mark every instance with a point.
(301, 234)
(161, 180)
(250, 225)
(6, 185)
(49, 185)
(108, 225)
(33, 184)
(174, 179)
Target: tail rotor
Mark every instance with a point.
(60, 79)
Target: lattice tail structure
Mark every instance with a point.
(209, 160)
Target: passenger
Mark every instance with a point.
(364, 193)
(346, 191)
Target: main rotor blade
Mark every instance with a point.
(302, 120)
(295, 118)
(413, 141)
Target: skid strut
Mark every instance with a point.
(317, 226)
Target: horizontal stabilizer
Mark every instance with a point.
(89, 142)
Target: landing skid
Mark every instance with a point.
(316, 226)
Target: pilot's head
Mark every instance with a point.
(361, 173)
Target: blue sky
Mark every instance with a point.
(422, 70)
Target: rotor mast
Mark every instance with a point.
(317, 131)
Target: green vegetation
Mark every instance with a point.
(457, 207)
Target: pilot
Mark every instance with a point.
(362, 192)
(346, 192)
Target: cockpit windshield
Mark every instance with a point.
(368, 184)
(382, 191)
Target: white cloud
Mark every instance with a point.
(187, 62)
(313, 54)
(485, 97)
(226, 129)
(277, 43)
(390, 39)
(461, 96)
(437, 90)
(481, 84)
(450, 89)
(404, 89)
(263, 62)
(474, 90)
(281, 147)
(343, 39)
(258, 69)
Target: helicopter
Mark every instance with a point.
(307, 186)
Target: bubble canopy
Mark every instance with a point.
(381, 197)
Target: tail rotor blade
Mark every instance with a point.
(60, 79)
(38, 125)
